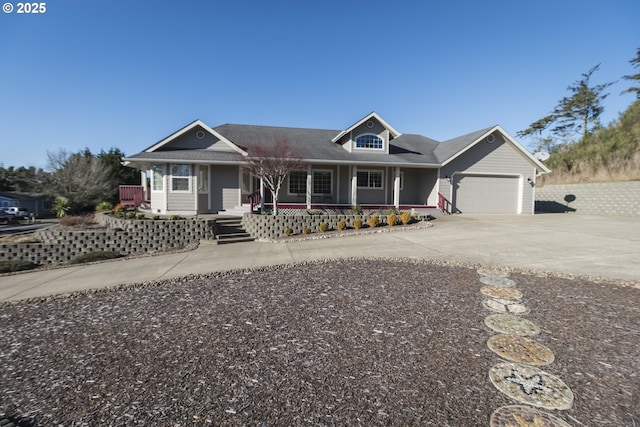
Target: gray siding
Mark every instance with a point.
(499, 158)
(181, 202)
(417, 185)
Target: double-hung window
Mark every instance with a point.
(180, 178)
(322, 182)
(297, 182)
(370, 179)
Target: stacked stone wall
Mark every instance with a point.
(607, 198)
(266, 227)
(58, 245)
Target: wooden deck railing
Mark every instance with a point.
(132, 195)
(443, 204)
(254, 199)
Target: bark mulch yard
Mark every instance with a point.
(349, 342)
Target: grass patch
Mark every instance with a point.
(12, 266)
(95, 256)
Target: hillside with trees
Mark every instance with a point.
(582, 149)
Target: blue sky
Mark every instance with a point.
(125, 74)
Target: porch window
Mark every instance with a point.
(203, 179)
(322, 182)
(370, 141)
(298, 182)
(370, 179)
(157, 177)
(180, 175)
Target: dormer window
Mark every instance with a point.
(369, 141)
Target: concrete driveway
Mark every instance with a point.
(607, 247)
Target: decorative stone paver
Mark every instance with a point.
(496, 272)
(500, 306)
(523, 416)
(509, 324)
(501, 292)
(520, 349)
(497, 281)
(531, 386)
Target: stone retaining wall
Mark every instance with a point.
(266, 227)
(128, 237)
(607, 198)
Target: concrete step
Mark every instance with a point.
(229, 230)
(226, 239)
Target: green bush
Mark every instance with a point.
(357, 210)
(131, 215)
(306, 230)
(95, 256)
(140, 216)
(374, 221)
(324, 226)
(392, 219)
(155, 217)
(342, 224)
(61, 206)
(357, 224)
(173, 217)
(11, 266)
(104, 206)
(288, 231)
(406, 218)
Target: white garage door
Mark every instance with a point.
(485, 194)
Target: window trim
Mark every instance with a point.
(161, 171)
(368, 172)
(203, 189)
(187, 177)
(381, 148)
(304, 182)
(313, 176)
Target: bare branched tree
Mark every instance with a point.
(81, 178)
(272, 164)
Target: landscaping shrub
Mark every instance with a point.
(342, 224)
(11, 266)
(140, 216)
(306, 230)
(173, 217)
(406, 218)
(95, 256)
(119, 209)
(357, 210)
(357, 224)
(131, 215)
(155, 217)
(374, 221)
(324, 226)
(104, 206)
(288, 231)
(392, 219)
(61, 207)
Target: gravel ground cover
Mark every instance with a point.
(336, 342)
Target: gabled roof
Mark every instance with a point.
(318, 146)
(449, 150)
(372, 115)
(186, 129)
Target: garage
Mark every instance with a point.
(486, 193)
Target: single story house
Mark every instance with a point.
(38, 204)
(200, 169)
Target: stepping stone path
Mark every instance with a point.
(519, 378)
(510, 416)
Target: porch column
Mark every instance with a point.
(354, 185)
(145, 187)
(261, 195)
(309, 187)
(396, 188)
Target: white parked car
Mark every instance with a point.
(17, 212)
